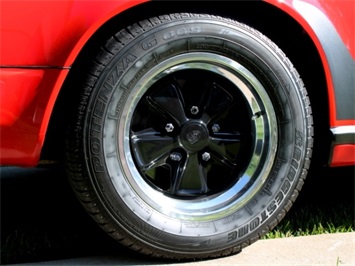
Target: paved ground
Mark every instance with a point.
(46, 233)
(331, 249)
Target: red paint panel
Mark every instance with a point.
(343, 155)
(342, 15)
(18, 88)
(23, 132)
(44, 33)
(31, 31)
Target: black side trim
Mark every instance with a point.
(342, 65)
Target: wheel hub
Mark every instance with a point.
(194, 136)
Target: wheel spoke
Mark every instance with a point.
(189, 177)
(169, 102)
(216, 101)
(151, 148)
(225, 146)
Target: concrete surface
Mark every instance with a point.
(326, 249)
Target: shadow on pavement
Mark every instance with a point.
(41, 220)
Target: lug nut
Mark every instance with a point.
(194, 110)
(169, 127)
(215, 128)
(175, 156)
(206, 156)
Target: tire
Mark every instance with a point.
(193, 136)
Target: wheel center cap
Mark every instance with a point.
(194, 136)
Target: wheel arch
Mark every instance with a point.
(256, 14)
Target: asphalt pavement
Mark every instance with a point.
(326, 249)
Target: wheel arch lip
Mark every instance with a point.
(333, 36)
(336, 51)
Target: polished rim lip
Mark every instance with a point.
(229, 201)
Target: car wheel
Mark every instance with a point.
(192, 138)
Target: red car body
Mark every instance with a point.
(41, 40)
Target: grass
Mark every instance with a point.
(315, 221)
(42, 220)
(326, 205)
